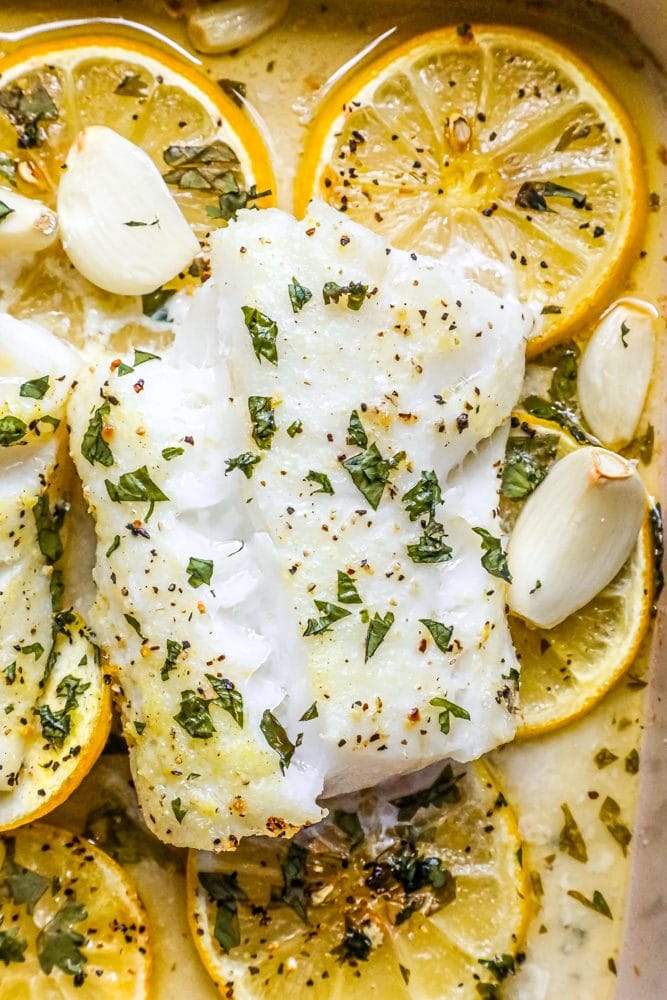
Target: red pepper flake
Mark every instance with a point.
(413, 715)
(114, 364)
(139, 386)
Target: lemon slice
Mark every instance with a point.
(72, 923)
(398, 894)
(567, 669)
(68, 728)
(497, 136)
(205, 146)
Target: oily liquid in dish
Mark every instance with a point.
(285, 72)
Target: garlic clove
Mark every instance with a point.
(230, 24)
(615, 371)
(573, 535)
(120, 225)
(26, 225)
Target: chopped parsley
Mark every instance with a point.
(48, 528)
(275, 735)
(12, 430)
(226, 892)
(199, 571)
(347, 590)
(263, 420)
(12, 946)
(36, 388)
(23, 884)
(527, 462)
(178, 810)
(245, 462)
(534, 196)
(431, 547)
(494, 559)
(500, 967)
(298, 295)
(424, 496)
(233, 197)
(330, 613)
(56, 724)
(354, 290)
(227, 697)
(321, 480)
(132, 85)
(296, 427)
(293, 867)
(194, 716)
(263, 333)
(571, 841)
(445, 789)
(154, 305)
(5, 210)
(27, 110)
(114, 545)
(136, 485)
(441, 633)
(625, 330)
(34, 649)
(169, 453)
(609, 815)
(310, 713)
(597, 903)
(174, 650)
(93, 446)
(370, 473)
(355, 431)
(207, 167)
(378, 628)
(349, 823)
(448, 709)
(60, 945)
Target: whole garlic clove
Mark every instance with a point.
(120, 226)
(26, 225)
(230, 24)
(574, 534)
(615, 371)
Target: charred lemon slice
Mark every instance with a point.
(393, 886)
(495, 136)
(72, 923)
(565, 670)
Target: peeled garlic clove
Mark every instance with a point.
(26, 225)
(615, 371)
(574, 534)
(226, 25)
(120, 226)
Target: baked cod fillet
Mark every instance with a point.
(292, 506)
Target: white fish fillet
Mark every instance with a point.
(433, 363)
(32, 424)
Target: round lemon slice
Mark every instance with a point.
(567, 669)
(498, 137)
(400, 893)
(72, 923)
(206, 147)
(67, 730)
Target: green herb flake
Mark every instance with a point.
(194, 716)
(263, 420)
(377, 633)
(551, 310)
(444, 790)
(226, 892)
(174, 650)
(12, 430)
(442, 634)
(501, 966)
(154, 305)
(296, 427)
(431, 547)
(5, 210)
(354, 290)
(597, 903)
(132, 85)
(48, 533)
(178, 810)
(610, 812)
(60, 945)
(298, 295)
(199, 571)
(347, 590)
(93, 446)
(263, 334)
(349, 823)
(27, 110)
(275, 735)
(354, 947)
(321, 480)
(12, 946)
(169, 453)
(494, 559)
(356, 434)
(424, 496)
(293, 868)
(604, 757)
(136, 485)
(34, 649)
(24, 885)
(527, 462)
(310, 713)
(534, 196)
(448, 709)
(330, 614)
(625, 330)
(114, 545)
(571, 841)
(631, 761)
(36, 388)
(370, 474)
(141, 357)
(232, 196)
(245, 463)
(227, 697)
(135, 223)
(10, 672)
